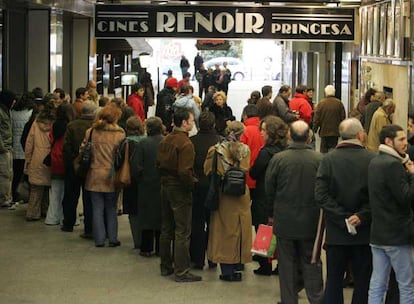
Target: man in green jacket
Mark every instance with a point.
(290, 181)
(175, 160)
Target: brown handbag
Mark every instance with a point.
(122, 177)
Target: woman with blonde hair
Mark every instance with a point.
(105, 136)
(221, 111)
(230, 238)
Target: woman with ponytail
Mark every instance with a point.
(230, 238)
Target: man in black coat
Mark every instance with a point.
(75, 132)
(205, 138)
(342, 192)
(391, 193)
(289, 183)
(165, 100)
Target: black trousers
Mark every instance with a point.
(73, 186)
(18, 168)
(293, 256)
(328, 143)
(149, 238)
(199, 226)
(337, 258)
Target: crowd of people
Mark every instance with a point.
(358, 191)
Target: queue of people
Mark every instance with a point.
(362, 199)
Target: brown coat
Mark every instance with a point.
(328, 115)
(36, 149)
(379, 120)
(230, 239)
(175, 159)
(105, 143)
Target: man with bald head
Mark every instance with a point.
(342, 192)
(290, 180)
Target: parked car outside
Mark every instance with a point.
(235, 65)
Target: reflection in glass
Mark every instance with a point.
(382, 29)
(363, 23)
(390, 30)
(56, 49)
(398, 29)
(369, 30)
(375, 30)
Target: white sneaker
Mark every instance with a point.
(6, 205)
(13, 206)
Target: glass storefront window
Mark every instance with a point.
(56, 49)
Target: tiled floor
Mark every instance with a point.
(41, 264)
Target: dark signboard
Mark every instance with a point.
(330, 24)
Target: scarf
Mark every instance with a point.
(391, 151)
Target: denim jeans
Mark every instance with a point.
(402, 261)
(104, 204)
(55, 211)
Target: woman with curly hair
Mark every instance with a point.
(274, 132)
(230, 238)
(105, 135)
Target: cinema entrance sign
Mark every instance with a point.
(121, 21)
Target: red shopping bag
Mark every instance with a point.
(265, 242)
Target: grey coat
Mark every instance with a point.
(289, 183)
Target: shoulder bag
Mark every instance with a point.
(122, 178)
(82, 162)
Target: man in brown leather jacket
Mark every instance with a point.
(175, 161)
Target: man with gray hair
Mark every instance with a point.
(328, 114)
(289, 183)
(342, 192)
(75, 133)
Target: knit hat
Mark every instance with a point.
(172, 83)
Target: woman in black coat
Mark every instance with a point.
(222, 112)
(135, 134)
(274, 132)
(149, 188)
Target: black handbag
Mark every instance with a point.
(83, 161)
(234, 181)
(213, 194)
(47, 161)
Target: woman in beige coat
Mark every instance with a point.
(106, 137)
(36, 149)
(230, 238)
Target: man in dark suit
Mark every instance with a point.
(342, 192)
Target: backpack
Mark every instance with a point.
(234, 181)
